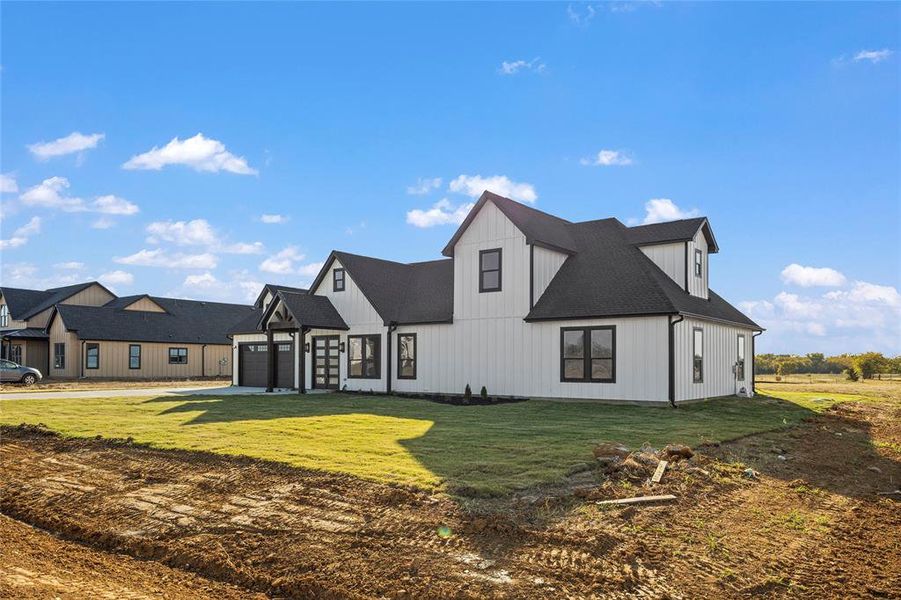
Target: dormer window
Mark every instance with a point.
(699, 262)
(338, 280)
(4, 316)
(490, 270)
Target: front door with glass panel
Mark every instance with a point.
(325, 362)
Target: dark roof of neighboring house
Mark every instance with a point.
(24, 304)
(672, 231)
(539, 227)
(402, 293)
(26, 333)
(124, 301)
(185, 321)
(312, 311)
(250, 323)
(274, 288)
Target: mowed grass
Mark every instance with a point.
(476, 451)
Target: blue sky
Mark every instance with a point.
(368, 127)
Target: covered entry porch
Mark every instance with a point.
(29, 346)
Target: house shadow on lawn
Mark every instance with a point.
(478, 452)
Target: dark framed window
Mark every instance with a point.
(697, 353)
(92, 356)
(490, 270)
(338, 280)
(363, 356)
(588, 354)
(15, 354)
(178, 356)
(740, 362)
(406, 356)
(59, 355)
(134, 356)
(4, 316)
(699, 263)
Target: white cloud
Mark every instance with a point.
(203, 280)
(197, 232)
(8, 184)
(423, 186)
(242, 248)
(160, 258)
(283, 261)
(28, 275)
(474, 185)
(51, 193)
(859, 317)
(796, 274)
(273, 219)
(20, 236)
(608, 158)
(441, 213)
(103, 223)
(311, 269)
(199, 153)
(239, 287)
(579, 17)
(658, 210)
(514, 67)
(117, 277)
(74, 142)
(113, 205)
(874, 56)
(70, 266)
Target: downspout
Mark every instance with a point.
(203, 360)
(270, 360)
(672, 359)
(82, 358)
(301, 344)
(753, 363)
(391, 327)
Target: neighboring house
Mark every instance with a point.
(92, 333)
(526, 304)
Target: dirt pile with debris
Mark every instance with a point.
(809, 525)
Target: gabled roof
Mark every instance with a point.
(400, 293)
(672, 231)
(37, 333)
(250, 323)
(185, 321)
(273, 289)
(24, 304)
(539, 227)
(126, 301)
(310, 310)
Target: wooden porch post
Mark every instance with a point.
(270, 360)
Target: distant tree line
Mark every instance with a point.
(866, 365)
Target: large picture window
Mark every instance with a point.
(588, 354)
(490, 270)
(406, 356)
(134, 356)
(740, 363)
(178, 356)
(338, 280)
(363, 354)
(59, 355)
(697, 370)
(92, 356)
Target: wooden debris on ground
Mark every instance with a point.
(658, 474)
(638, 500)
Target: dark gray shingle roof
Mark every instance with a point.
(312, 311)
(671, 231)
(185, 321)
(24, 304)
(250, 323)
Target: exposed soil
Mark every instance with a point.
(86, 385)
(807, 526)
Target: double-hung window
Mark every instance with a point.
(740, 363)
(4, 316)
(134, 356)
(92, 356)
(697, 370)
(338, 280)
(490, 270)
(699, 263)
(406, 356)
(363, 354)
(588, 354)
(59, 355)
(178, 356)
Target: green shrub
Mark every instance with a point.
(467, 394)
(484, 393)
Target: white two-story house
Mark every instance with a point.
(526, 304)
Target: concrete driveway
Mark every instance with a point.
(131, 392)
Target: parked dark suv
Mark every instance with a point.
(11, 372)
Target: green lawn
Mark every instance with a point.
(472, 451)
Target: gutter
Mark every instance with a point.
(392, 326)
(672, 359)
(753, 361)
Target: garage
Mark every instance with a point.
(254, 360)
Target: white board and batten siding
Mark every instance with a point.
(670, 258)
(719, 355)
(545, 264)
(697, 286)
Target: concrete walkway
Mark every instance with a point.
(132, 392)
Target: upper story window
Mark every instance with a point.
(697, 369)
(338, 280)
(4, 316)
(588, 354)
(699, 263)
(490, 270)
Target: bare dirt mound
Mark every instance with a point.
(808, 524)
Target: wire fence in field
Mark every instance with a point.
(820, 377)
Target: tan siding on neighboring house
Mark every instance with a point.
(58, 334)
(91, 296)
(145, 304)
(155, 360)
